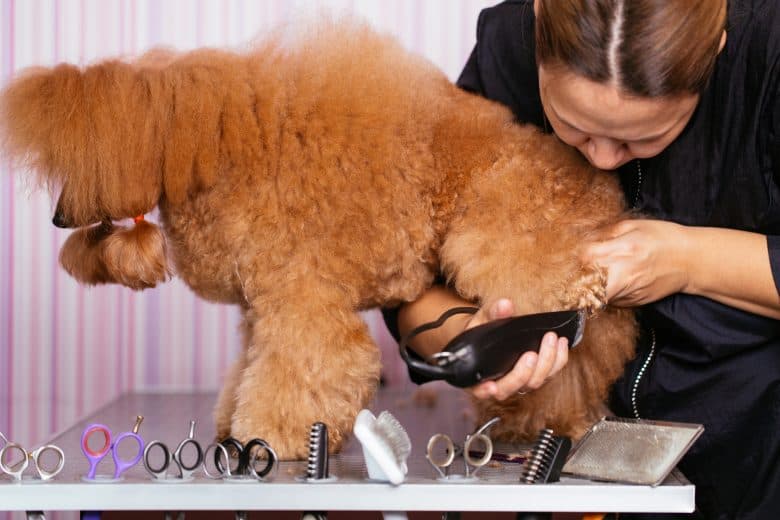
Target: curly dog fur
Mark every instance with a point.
(306, 180)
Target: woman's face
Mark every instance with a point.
(606, 126)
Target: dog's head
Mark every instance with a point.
(115, 138)
(89, 137)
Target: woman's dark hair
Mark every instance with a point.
(649, 48)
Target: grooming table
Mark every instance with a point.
(422, 411)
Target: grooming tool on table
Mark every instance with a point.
(633, 451)
(17, 468)
(186, 465)
(544, 464)
(247, 457)
(317, 464)
(110, 444)
(490, 350)
(386, 446)
(442, 459)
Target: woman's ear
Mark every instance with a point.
(723, 39)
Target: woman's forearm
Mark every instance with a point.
(432, 304)
(732, 267)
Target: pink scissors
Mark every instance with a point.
(95, 456)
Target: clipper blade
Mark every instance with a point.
(547, 456)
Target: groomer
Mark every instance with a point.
(681, 99)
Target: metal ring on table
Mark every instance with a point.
(228, 444)
(162, 471)
(449, 448)
(477, 464)
(217, 446)
(36, 456)
(185, 470)
(17, 469)
(252, 455)
(177, 457)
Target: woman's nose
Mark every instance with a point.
(605, 153)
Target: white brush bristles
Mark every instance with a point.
(386, 446)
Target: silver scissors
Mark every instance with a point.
(17, 469)
(177, 458)
(441, 462)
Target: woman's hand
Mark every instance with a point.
(532, 370)
(645, 260)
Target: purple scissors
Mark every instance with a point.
(112, 445)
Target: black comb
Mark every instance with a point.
(546, 459)
(317, 467)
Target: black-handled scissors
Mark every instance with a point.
(186, 469)
(247, 458)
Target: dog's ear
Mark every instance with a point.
(135, 257)
(82, 255)
(122, 135)
(98, 131)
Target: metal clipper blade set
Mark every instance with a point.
(546, 459)
(317, 463)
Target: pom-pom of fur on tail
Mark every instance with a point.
(135, 257)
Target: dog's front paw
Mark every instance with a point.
(290, 440)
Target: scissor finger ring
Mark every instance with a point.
(110, 445)
(438, 459)
(247, 458)
(254, 455)
(161, 471)
(220, 454)
(477, 464)
(17, 469)
(185, 469)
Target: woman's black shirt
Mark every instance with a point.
(709, 363)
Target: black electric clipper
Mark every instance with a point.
(490, 350)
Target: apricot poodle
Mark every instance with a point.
(308, 179)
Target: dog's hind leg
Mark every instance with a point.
(311, 359)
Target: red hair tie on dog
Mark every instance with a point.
(138, 218)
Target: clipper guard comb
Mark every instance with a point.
(547, 456)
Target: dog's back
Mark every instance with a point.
(308, 178)
(318, 137)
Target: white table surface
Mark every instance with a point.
(443, 410)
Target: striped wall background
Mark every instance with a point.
(64, 349)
